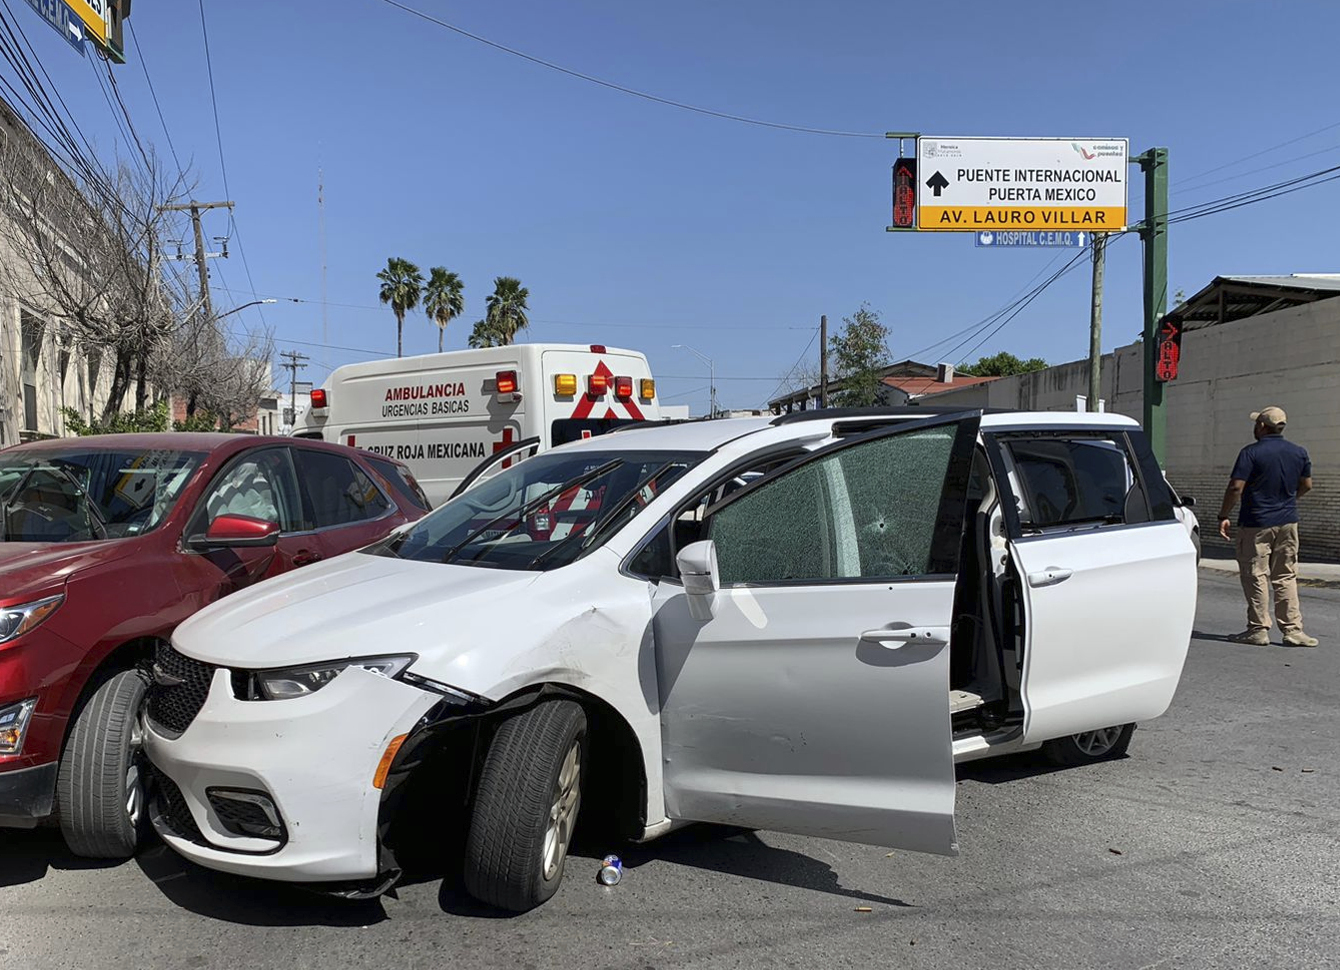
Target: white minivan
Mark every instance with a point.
(797, 624)
(441, 414)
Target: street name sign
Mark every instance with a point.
(1016, 239)
(93, 13)
(1021, 184)
(65, 21)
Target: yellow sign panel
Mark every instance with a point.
(94, 15)
(960, 217)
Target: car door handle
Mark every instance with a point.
(306, 558)
(1049, 576)
(894, 639)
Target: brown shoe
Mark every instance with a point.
(1299, 639)
(1256, 638)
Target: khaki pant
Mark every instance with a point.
(1268, 560)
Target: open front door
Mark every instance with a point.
(815, 699)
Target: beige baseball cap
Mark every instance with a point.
(1273, 416)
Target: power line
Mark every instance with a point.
(139, 56)
(223, 164)
(623, 89)
(1264, 151)
(116, 92)
(789, 374)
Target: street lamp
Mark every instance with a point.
(711, 372)
(243, 307)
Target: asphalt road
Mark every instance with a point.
(1215, 844)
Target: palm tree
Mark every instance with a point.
(507, 308)
(402, 285)
(485, 334)
(443, 299)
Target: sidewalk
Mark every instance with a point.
(1309, 573)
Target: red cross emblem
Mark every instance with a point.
(508, 439)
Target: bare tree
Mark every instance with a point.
(220, 374)
(85, 254)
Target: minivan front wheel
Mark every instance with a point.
(100, 788)
(1090, 746)
(526, 806)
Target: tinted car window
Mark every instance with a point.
(402, 482)
(338, 491)
(1072, 481)
(864, 512)
(259, 484)
(574, 429)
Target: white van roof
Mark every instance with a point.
(482, 356)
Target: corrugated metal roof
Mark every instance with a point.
(1302, 281)
(1229, 298)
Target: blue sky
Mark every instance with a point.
(642, 225)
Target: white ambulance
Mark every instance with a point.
(442, 414)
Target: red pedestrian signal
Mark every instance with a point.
(1169, 350)
(905, 193)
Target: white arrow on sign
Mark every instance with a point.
(1081, 240)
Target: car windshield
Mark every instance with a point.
(83, 493)
(543, 513)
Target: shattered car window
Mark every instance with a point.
(865, 512)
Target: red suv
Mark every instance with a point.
(106, 544)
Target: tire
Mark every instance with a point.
(516, 850)
(1090, 746)
(100, 788)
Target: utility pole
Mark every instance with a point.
(1096, 322)
(1154, 234)
(195, 208)
(823, 361)
(201, 256)
(293, 362)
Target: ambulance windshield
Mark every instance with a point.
(544, 513)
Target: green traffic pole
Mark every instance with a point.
(1154, 233)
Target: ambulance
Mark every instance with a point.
(443, 414)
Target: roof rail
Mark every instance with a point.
(832, 414)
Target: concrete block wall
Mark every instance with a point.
(1290, 359)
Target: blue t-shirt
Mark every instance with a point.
(1271, 468)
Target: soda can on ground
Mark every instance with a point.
(611, 871)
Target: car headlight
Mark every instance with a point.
(15, 621)
(279, 685)
(14, 725)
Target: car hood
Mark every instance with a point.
(29, 569)
(341, 608)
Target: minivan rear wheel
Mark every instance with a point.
(1090, 746)
(100, 787)
(526, 806)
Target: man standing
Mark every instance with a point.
(1269, 477)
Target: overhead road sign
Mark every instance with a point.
(93, 14)
(1016, 239)
(64, 20)
(1021, 184)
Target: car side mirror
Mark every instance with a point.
(236, 532)
(698, 569)
(1188, 501)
